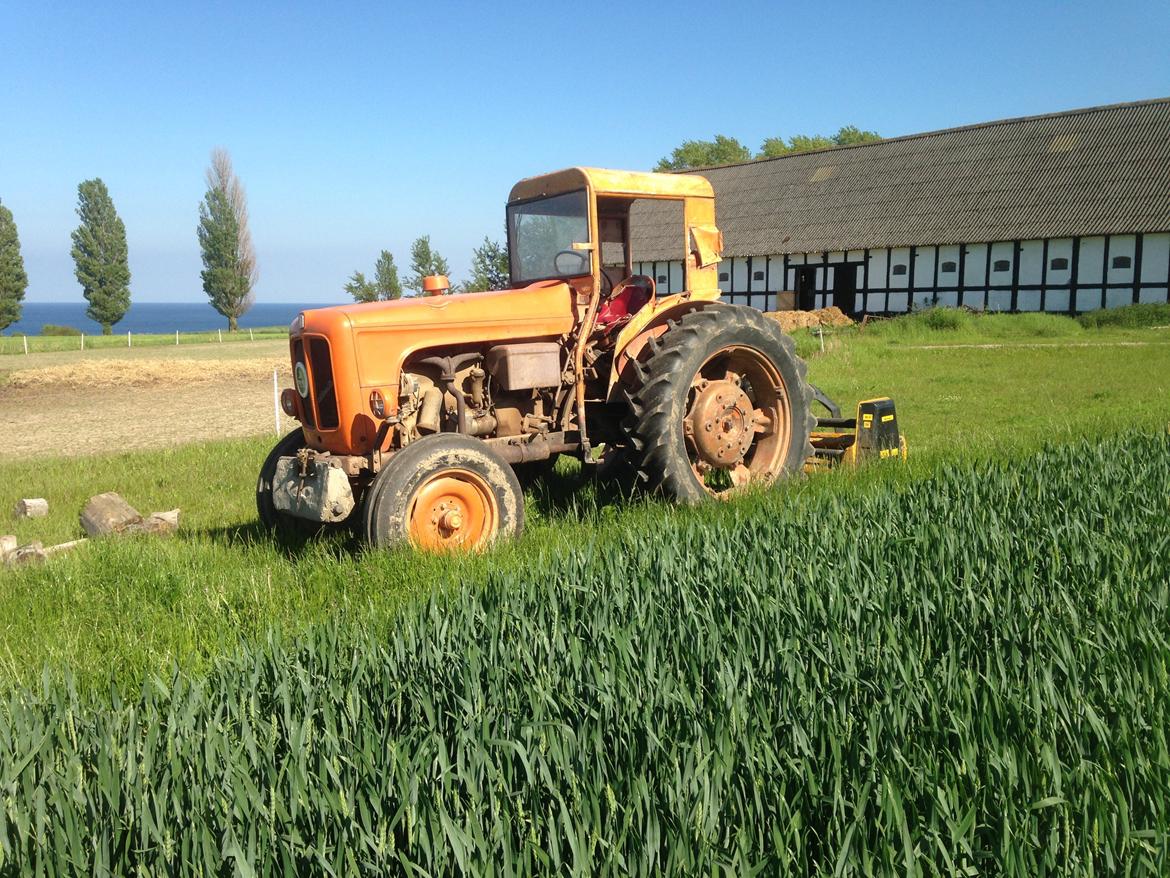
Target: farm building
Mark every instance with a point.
(1064, 212)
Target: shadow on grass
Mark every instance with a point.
(341, 542)
(563, 494)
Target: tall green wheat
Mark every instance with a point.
(964, 675)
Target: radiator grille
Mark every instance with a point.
(321, 373)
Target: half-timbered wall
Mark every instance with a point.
(1068, 275)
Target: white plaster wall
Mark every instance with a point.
(1056, 300)
(759, 267)
(1031, 263)
(1089, 261)
(899, 256)
(924, 259)
(975, 265)
(1155, 257)
(875, 274)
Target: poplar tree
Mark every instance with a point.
(100, 255)
(229, 260)
(13, 280)
(423, 262)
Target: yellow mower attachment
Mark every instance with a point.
(873, 434)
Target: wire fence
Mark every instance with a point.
(40, 344)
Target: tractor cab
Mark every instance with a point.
(575, 226)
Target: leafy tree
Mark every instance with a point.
(424, 261)
(851, 134)
(722, 150)
(386, 280)
(361, 289)
(383, 287)
(229, 260)
(13, 280)
(489, 267)
(846, 136)
(100, 255)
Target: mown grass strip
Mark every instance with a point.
(964, 674)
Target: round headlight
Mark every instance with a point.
(288, 402)
(377, 404)
(301, 377)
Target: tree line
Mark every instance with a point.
(724, 150)
(101, 257)
(489, 271)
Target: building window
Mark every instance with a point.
(1122, 262)
(1002, 265)
(723, 277)
(899, 269)
(949, 268)
(1060, 263)
(757, 275)
(662, 278)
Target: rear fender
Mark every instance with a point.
(648, 323)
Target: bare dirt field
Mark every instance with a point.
(101, 401)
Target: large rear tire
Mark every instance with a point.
(444, 492)
(274, 520)
(721, 403)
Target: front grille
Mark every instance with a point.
(306, 402)
(321, 375)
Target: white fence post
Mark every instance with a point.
(83, 341)
(176, 338)
(220, 331)
(276, 400)
(25, 337)
(129, 344)
(250, 336)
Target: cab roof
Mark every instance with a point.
(605, 182)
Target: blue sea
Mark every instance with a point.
(153, 317)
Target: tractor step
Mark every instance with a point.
(872, 434)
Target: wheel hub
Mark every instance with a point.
(453, 509)
(721, 423)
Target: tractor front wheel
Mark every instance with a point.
(721, 402)
(444, 492)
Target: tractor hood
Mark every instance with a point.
(383, 335)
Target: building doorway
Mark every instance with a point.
(845, 287)
(806, 287)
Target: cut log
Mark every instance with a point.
(37, 507)
(7, 546)
(108, 514)
(159, 524)
(30, 554)
(65, 547)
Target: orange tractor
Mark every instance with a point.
(417, 414)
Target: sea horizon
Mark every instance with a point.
(155, 317)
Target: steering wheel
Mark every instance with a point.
(581, 258)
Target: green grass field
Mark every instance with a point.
(14, 345)
(195, 597)
(971, 651)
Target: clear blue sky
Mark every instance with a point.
(360, 126)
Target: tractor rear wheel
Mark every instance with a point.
(272, 518)
(721, 403)
(444, 492)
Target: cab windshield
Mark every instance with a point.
(541, 235)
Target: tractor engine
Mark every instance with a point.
(507, 390)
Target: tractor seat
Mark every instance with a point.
(626, 300)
